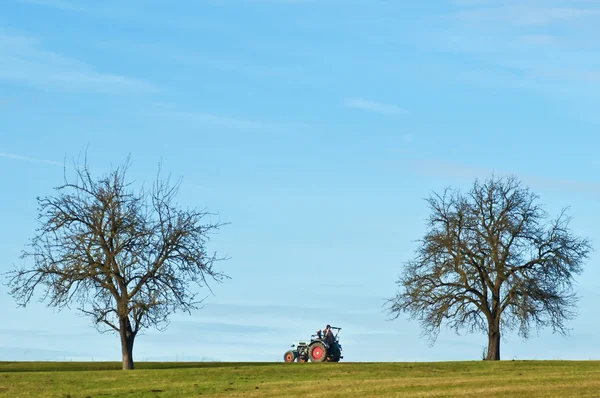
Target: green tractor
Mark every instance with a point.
(317, 350)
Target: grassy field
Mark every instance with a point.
(476, 379)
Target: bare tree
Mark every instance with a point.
(128, 258)
(491, 261)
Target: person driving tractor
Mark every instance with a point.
(326, 335)
(329, 339)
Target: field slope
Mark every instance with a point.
(464, 379)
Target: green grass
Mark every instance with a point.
(180, 379)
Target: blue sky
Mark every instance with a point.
(316, 128)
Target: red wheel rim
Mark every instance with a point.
(289, 358)
(317, 352)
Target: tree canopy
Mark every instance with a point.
(491, 261)
(127, 258)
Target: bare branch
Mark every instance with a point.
(489, 260)
(128, 258)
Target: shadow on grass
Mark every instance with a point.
(95, 366)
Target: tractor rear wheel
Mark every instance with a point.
(336, 354)
(289, 356)
(317, 352)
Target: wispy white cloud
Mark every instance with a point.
(129, 11)
(23, 60)
(60, 4)
(267, 71)
(9, 353)
(29, 159)
(408, 137)
(371, 106)
(540, 40)
(460, 171)
(465, 3)
(106, 8)
(280, 1)
(524, 15)
(515, 43)
(215, 120)
(173, 112)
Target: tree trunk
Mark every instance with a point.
(493, 352)
(127, 338)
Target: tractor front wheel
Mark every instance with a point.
(317, 352)
(289, 356)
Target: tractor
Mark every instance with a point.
(317, 350)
